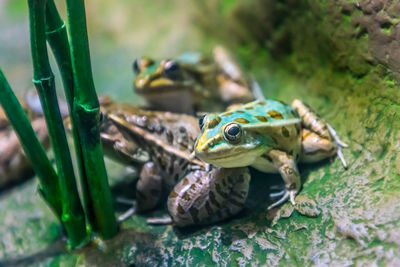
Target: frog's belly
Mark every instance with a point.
(264, 165)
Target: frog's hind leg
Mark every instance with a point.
(286, 166)
(204, 197)
(233, 86)
(319, 139)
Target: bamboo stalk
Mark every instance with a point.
(43, 78)
(57, 37)
(86, 114)
(56, 33)
(34, 151)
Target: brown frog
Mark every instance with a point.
(14, 166)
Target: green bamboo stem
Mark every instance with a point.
(35, 152)
(86, 112)
(56, 33)
(43, 78)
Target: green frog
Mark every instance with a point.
(270, 136)
(198, 194)
(192, 83)
(14, 166)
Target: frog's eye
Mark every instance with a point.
(232, 132)
(102, 117)
(171, 69)
(135, 66)
(201, 121)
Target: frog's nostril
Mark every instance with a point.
(201, 147)
(141, 82)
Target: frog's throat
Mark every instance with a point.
(157, 86)
(239, 158)
(162, 88)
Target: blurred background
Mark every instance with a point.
(119, 32)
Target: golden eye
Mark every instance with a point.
(232, 132)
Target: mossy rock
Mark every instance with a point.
(340, 57)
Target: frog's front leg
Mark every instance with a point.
(286, 166)
(148, 188)
(319, 139)
(148, 191)
(204, 197)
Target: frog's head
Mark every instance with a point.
(229, 140)
(156, 75)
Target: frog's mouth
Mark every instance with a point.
(229, 159)
(161, 85)
(161, 89)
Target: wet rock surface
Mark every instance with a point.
(340, 57)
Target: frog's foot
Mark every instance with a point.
(159, 221)
(287, 195)
(340, 144)
(287, 168)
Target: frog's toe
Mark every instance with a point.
(292, 194)
(336, 137)
(159, 221)
(287, 195)
(341, 157)
(126, 201)
(127, 214)
(282, 200)
(277, 194)
(341, 143)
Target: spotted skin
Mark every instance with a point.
(197, 195)
(270, 136)
(214, 195)
(148, 188)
